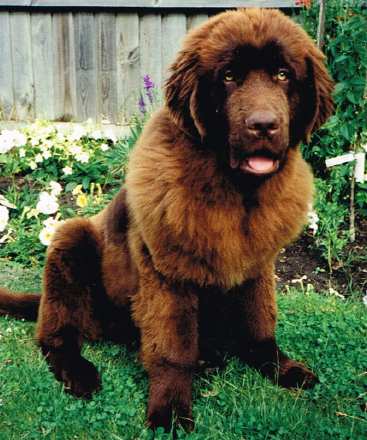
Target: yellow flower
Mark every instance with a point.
(31, 212)
(82, 200)
(77, 190)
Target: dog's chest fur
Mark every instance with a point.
(195, 224)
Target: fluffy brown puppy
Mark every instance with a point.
(215, 188)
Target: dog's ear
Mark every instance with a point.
(319, 92)
(181, 91)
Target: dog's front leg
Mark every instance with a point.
(166, 314)
(254, 317)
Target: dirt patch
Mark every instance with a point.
(300, 264)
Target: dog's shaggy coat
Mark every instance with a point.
(215, 188)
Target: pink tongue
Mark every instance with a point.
(259, 163)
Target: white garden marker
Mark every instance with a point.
(359, 176)
(359, 158)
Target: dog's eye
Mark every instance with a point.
(228, 76)
(282, 75)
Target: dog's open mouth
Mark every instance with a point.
(259, 164)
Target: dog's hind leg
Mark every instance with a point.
(71, 301)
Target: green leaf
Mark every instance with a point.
(70, 186)
(86, 182)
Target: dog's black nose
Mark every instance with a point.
(263, 124)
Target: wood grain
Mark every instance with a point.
(42, 64)
(6, 71)
(86, 65)
(128, 65)
(20, 32)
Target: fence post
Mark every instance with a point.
(321, 27)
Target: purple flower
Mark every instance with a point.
(148, 87)
(141, 104)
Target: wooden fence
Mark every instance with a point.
(86, 59)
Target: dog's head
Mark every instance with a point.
(252, 84)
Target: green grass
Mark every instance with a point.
(235, 403)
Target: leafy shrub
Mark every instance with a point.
(346, 130)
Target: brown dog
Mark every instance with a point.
(216, 187)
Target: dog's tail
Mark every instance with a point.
(19, 305)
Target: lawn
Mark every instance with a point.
(233, 403)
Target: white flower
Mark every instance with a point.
(313, 220)
(77, 133)
(47, 145)
(6, 143)
(75, 149)
(96, 135)
(32, 165)
(19, 138)
(364, 147)
(21, 152)
(47, 203)
(10, 139)
(67, 170)
(82, 157)
(4, 217)
(46, 235)
(38, 158)
(48, 231)
(45, 132)
(49, 222)
(34, 141)
(56, 188)
(104, 147)
(46, 154)
(109, 134)
(60, 137)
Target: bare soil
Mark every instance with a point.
(300, 264)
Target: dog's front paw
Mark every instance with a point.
(81, 379)
(293, 374)
(169, 416)
(170, 402)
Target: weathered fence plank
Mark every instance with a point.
(196, 20)
(42, 57)
(173, 31)
(151, 48)
(106, 77)
(64, 78)
(128, 64)
(6, 71)
(20, 32)
(86, 66)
